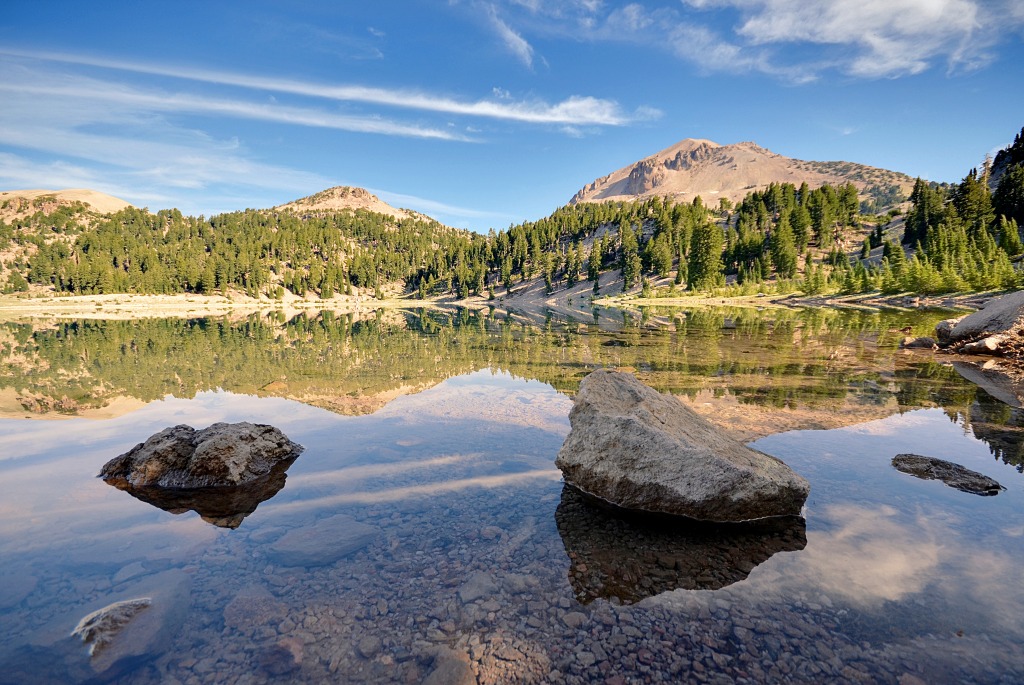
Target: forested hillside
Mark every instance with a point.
(782, 239)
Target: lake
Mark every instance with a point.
(435, 434)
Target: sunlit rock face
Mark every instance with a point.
(222, 472)
(629, 556)
(641, 450)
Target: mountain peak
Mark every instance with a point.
(341, 198)
(17, 202)
(696, 166)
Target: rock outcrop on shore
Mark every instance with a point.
(997, 329)
(640, 450)
(224, 454)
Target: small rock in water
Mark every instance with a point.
(991, 345)
(223, 454)
(282, 658)
(369, 646)
(921, 343)
(450, 668)
(99, 628)
(953, 475)
(574, 619)
(128, 632)
(490, 532)
(323, 542)
(253, 606)
(478, 585)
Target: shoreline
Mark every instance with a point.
(134, 306)
(874, 301)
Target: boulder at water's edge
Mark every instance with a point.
(641, 450)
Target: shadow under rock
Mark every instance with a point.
(614, 553)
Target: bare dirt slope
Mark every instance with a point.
(22, 202)
(695, 167)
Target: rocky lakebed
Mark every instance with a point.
(435, 541)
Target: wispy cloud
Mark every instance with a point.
(516, 44)
(793, 40)
(61, 130)
(157, 101)
(575, 110)
(875, 38)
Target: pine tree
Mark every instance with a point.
(1008, 199)
(783, 249)
(705, 263)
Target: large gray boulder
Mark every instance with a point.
(224, 454)
(994, 330)
(640, 450)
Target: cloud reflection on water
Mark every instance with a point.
(422, 490)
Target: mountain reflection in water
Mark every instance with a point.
(614, 554)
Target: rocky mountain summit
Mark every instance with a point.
(701, 167)
(342, 198)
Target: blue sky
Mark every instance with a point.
(483, 113)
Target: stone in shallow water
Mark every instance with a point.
(323, 542)
(224, 507)
(478, 585)
(450, 668)
(131, 631)
(953, 475)
(251, 607)
(223, 454)
(639, 449)
(282, 658)
(100, 628)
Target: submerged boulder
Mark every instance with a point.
(322, 543)
(641, 450)
(100, 628)
(953, 475)
(139, 626)
(919, 343)
(224, 454)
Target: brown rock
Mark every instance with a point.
(224, 454)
